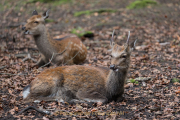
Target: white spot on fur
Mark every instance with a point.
(26, 92)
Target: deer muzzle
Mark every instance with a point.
(23, 28)
(112, 67)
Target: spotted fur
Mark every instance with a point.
(68, 49)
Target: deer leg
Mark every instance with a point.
(92, 96)
(59, 60)
(42, 61)
(120, 99)
(64, 61)
(48, 99)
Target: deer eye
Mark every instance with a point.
(36, 22)
(123, 56)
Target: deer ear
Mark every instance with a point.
(133, 44)
(34, 12)
(112, 40)
(46, 14)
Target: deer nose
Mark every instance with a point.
(23, 28)
(112, 67)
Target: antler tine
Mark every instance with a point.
(117, 34)
(135, 41)
(112, 39)
(128, 38)
(48, 12)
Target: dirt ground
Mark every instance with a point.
(157, 57)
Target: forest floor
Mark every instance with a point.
(156, 57)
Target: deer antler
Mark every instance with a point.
(128, 38)
(112, 39)
(46, 14)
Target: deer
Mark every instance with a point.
(78, 83)
(68, 49)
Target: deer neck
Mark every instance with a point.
(43, 42)
(115, 82)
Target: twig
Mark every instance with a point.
(53, 56)
(71, 58)
(63, 51)
(48, 62)
(2, 67)
(29, 57)
(11, 74)
(32, 107)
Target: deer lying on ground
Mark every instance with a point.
(69, 49)
(83, 83)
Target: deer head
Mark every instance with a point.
(121, 54)
(35, 24)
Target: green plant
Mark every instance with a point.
(132, 80)
(175, 80)
(136, 82)
(80, 32)
(141, 4)
(88, 12)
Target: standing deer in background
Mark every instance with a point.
(83, 83)
(68, 49)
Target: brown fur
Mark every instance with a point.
(76, 83)
(47, 46)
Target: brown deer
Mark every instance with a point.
(78, 83)
(68, 49)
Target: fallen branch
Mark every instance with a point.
(143, 79)
(34, 108)
(2, 67)
(11, 74)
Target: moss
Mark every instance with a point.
(88, 12)
(80, 32)
(175, 80)
(141, 4)
(56, 2)
(49, 20)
